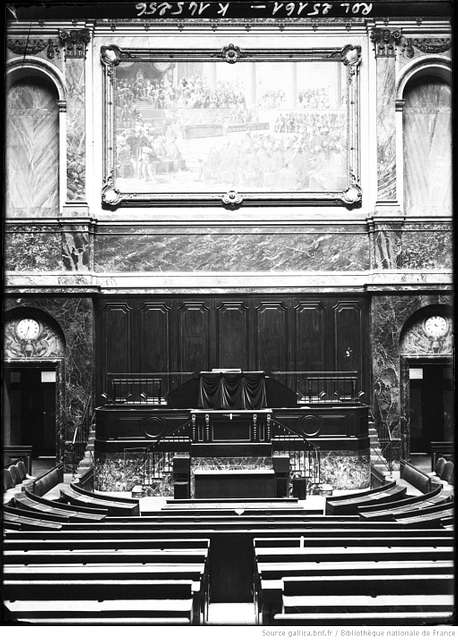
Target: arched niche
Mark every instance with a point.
(35, 139)
(34, 352)
(426, 350)
(424, 98)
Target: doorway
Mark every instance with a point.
(31, 392)
(431, 402)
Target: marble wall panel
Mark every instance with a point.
(388, 317)
(32, 248)
(118, 472)
(428, 246)
(76, 129)
(314, 251)
(386, 129)
(76, 250)
(32, 154)
(74, 316)
(427, 148)
(345, 470)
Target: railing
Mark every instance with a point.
(305, 460)
(152, 388)
(142, 388)
(323, 386)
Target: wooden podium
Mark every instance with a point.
(236, 483)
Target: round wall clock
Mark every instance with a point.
(27, 329)
(436, 326)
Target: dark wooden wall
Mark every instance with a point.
(258, 332)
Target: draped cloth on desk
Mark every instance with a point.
(232, 391)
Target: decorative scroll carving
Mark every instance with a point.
(47, 344)
(352, 196)
(34, 46)
(75, 42)
(231, 53)
(351, 57)
(110, 195)
(110, 56)
(385, 42)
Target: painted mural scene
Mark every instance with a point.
(211, 126)
(228, 351)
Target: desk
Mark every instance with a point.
(237, 483)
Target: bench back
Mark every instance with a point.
(48, 480)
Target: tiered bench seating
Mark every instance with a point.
(406, 506)
(114, 506)
(348, 504)
(28, 502)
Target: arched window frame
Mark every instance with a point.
(28, 68)
(438, 66)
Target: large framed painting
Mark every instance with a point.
(231, 126)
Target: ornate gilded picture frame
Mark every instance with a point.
(231, 127)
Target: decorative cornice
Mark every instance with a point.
(31, 47)
(75, 42)
(386, 43)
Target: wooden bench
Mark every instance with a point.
(184, 592)
(428, 517)
(409, 509)
(368, 618)
(61, 542)
(350, 504)
(16, 521)
(103, 496)
(48, 480)
(90, 513)
(114, 507)
(268, 581)
(415, 477)
(108, 555)
(24, 502)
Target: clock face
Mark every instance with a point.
(27, 329)
(436, 326)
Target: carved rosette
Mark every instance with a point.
(232, 199)
(385, 42)
(110, 196)
(75, 42)
(231, 53)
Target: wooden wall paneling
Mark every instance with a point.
(152, 342)
(232, 337)
(310, 339)
(193, 344)
(348, 333)
(272, 337)
(117, 337)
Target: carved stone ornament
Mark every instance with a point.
(46, 344)
(351, 55)
(232, 199)
(431, 45)
(110, 195)
(352, 196)
(231, 53)
(385, 42)
(110, 56)
(32, 47)
(75, 42)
